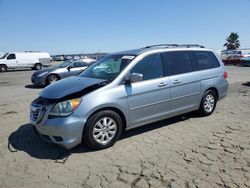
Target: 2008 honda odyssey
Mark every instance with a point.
(126, 90)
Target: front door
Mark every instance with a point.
(11, 61)
(76, 68)
(148, 100)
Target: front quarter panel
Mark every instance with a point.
(61, 72)
(106, 97)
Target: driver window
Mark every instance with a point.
(151, 67)
(11, 56)
(77, 64)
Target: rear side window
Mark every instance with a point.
(151, 67)
(179, 62)
(206, 60)
(11, 56)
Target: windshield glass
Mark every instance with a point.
(108, 68)
(64, 64)
(3, 57)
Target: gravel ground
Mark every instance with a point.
(186, 151)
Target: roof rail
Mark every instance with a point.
(30, 51)
(159, 45)
(175, 45)
(190, 45)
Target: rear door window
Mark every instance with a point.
(206, 60)
(179, 62)
(11, 56)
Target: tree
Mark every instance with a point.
(232, 41)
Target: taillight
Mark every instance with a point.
(225, 75)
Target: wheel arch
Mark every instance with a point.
(118, 111)
(2, 64)
(38, 63)
(46, 78)
(57, 75)
(215, 90)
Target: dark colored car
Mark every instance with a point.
(63, 70)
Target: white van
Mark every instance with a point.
(28, 59)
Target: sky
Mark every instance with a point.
(89, 26)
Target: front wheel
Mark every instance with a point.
(51, 79)
(208, 103)
(3, 68)
(102, 129)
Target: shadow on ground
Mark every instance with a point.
(27, 140)
(246, 84)
(31, 86)
(19, 70)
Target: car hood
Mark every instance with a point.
(44, 70)
(71, 87)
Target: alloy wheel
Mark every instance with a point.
(209, 103)
(104, 130)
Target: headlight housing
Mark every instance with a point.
(65, 108)
(42, 74)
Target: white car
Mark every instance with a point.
(34, 60)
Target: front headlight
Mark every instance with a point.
(42, 74)
(65, 108)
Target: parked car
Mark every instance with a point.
(88, 59)
(63, 70)
(58, 58)
(234, 56)
(245, 61)
(134, 88)
(34, 60)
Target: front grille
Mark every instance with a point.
(37, 112)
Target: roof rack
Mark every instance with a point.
(175, 45)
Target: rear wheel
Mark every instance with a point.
(208, 103)
(102, 129)
(51, 79)
(3, 68)
(38, 66)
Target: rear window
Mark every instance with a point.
(206, 60)
(179, 62)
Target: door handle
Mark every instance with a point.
(162, 84)
(176, 82)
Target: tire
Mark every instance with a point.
(208, 103)
(106, 136)
(3, 68)
(38, 66)
(51, 79)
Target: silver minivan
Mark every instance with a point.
(128, 89)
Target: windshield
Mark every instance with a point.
(108, 68)
(3, 57)
(64, 64)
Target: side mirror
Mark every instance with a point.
(135, 77)
(69, 67)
